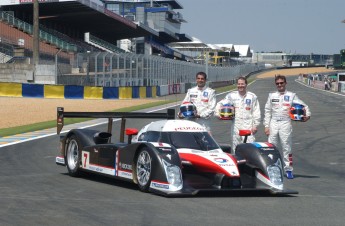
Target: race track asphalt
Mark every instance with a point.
(35, 191)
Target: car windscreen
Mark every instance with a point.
(193, 140)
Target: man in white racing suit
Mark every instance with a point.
(247, 112)
(277, 120)
(203, 98)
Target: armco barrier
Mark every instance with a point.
(76, 92)
(110, 92)
(135, 92)
(91, 92)
(11, 89)
(33, 90)
(125, 92)
(54, 91)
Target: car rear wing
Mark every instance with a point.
(61, 114)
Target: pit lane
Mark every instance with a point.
(33, 190)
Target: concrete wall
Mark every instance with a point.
(16, 73)
(24, 73)
(45, 74)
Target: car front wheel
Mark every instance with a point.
(72, 157)
(144, 170)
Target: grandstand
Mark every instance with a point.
(80, 44)
(82, 26)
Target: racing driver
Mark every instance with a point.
(203, 98)
(247, 111)
(277, 121)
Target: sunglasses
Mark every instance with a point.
(280, 83)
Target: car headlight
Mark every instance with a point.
(275, 174)
(174, 176)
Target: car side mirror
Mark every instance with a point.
(245, 133)
(130, 132)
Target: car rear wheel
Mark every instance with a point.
(73, 156)
(144, 170)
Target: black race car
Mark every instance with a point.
(169, 157)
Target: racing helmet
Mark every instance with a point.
(226, 112)
(297, 112)
(188, 109)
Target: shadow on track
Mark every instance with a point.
(200, 194)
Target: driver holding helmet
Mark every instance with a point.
(280, 108)
(204, 100)
(247, 112)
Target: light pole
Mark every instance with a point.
(56, 65)
(87, 64)
(35, 38)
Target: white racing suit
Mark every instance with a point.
(247, 115)
(278, 121)
(205, 101)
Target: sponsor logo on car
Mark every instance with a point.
(95, 168)
(267, 149)
(189, 128)
(124, 174)
(164, 149)
(125, 166)
(160, 185)
(226, 165)
(220, 160)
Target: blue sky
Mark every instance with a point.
(293, 26)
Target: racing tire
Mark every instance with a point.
(73, 156)
(144, 169)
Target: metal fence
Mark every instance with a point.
(128, 69)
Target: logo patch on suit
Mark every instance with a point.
(248, 102)
(286, 98)
(205, 94)
(193, 96)
(275, 100)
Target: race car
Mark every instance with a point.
(169, 157)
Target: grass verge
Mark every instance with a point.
(51, 124)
